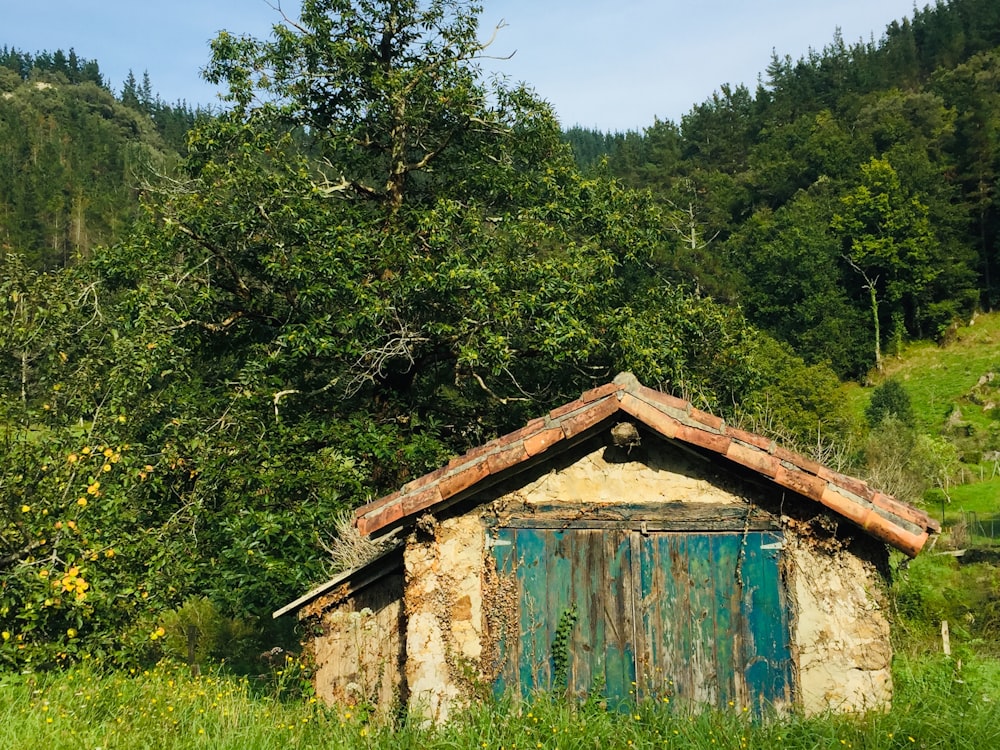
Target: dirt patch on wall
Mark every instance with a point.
(358, 648)
(608, 474)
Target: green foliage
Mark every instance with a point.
(373, 259)
(933, 588)
(369, 262)
(889, 400)
(196, 632)
(561, 644)
(803, 404)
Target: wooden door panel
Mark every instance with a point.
(697, 618)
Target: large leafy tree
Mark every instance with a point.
(372, 259)
(888, 240)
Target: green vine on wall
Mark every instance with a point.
(560, 648)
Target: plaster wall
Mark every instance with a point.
(840, 632)
(358, 647)
(614, 475)
(444, 614)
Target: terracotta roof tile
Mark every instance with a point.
(800, 461)
(463, 478)
(884, 517)
(751, 438)
(576, 422)
(649, 415)
(422, 500)
(708, 420)
(675, 407)
(542, 440)
(423, 481)
(600, 392)
(802, 482)
(534, 426)
(906, 511)
(711, 440)
(369, 520)
(506, 456)
(379, 503)
(752, 457)
(560, 411)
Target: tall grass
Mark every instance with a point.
(940, 703)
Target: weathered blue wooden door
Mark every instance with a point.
(694, 617)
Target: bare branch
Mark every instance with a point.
(501, 399)
(214, 327)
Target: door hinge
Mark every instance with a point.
(492, 542)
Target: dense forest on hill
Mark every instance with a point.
(222, 330)
(74, 154)
(857, 183)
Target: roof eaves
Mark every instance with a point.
(355, 579)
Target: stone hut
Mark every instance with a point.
(625, 544)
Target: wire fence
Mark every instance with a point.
(983, 530)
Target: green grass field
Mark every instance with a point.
(940, 703)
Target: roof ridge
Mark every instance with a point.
(881, 515)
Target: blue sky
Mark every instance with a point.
(613, 66)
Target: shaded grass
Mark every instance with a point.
(939, 704)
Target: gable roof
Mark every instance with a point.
(900, 525)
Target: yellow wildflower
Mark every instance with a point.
(82, 502)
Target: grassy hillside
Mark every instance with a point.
(954, 389)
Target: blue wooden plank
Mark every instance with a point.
(701, 647)
(619, 646)
(665, 593)
(767, 673)
(559, 601)
(584, 635)
(533, 599)
(724, 551)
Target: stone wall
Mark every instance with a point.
(840, 632)
(444, 613)
(358, 646)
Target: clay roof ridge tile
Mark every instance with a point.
(885, 513)
(669, 408)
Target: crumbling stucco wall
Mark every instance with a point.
(840, 633)
(358, 647)
(614, 475)
(444, 611)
